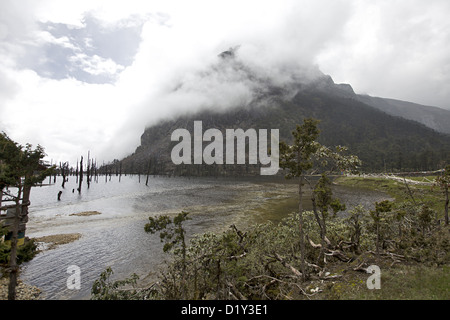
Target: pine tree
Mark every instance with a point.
(297, 159)
(20, 167)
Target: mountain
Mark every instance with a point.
(382, 132)
(432, 117)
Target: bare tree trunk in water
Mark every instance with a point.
(148, 173)
(81, 175)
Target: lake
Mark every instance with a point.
(116, 238)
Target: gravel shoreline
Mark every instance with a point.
(23, 291)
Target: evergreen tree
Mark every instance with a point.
(297, 159)
(20, 167)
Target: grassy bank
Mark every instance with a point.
(399, 282)
(401, 191)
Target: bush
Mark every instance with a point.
(106, 289)
(25, 253)
(263, 262)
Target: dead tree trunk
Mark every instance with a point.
(148, 173)
(96, 171)
(64, 168)
(301, 230)
(321, 260)
(409, 191)
(13, 267)
(88, 172)
(81, 175)
(446, 205)
(105, 171)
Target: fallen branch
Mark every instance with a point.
(287, 265)
(239, 233)
(237, 257)
(339, 255)
(389, 254)
(327, 276)
(287, 283)
(343, 245)
(315, 246)
(314, 266)
(360, 267)
(235, 292)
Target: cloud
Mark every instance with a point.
(93, 52)
(95, 65)
(90, 75)
(396, 49)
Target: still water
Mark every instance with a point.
(116, 237)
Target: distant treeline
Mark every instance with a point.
(381, 161)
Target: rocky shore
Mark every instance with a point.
(23, 291)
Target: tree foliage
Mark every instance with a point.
(20, 167)
(104, 288)
(18, 162)
(306, 155)
(297, 158)
(171, 232)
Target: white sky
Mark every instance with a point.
(91, 74)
